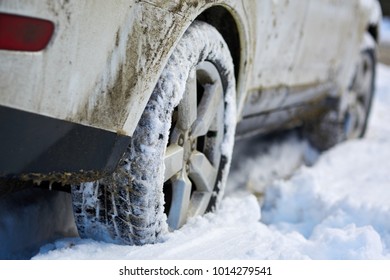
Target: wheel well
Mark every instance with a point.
(373, 30)
(224, 22)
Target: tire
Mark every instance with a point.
(336, 126)
(179, 154)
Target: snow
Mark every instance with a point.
(334, 207)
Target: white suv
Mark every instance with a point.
(135, 104)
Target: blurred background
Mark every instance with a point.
(385, 7)
(384, 46)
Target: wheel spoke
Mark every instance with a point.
(181, 193)
(173, 161)
(214, 138)
(199, 203)
(207, 109)
(365, 85)
(202, 172)
(363, 80)
(208, 77)
(187, 106)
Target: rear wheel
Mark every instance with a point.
(179, 154)
(194, 156)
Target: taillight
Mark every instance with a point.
(20, 33)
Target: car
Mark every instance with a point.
(134, 105)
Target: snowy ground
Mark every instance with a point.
(336, 209)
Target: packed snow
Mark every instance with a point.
(336, 206)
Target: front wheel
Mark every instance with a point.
(179, 154)
(335, 126)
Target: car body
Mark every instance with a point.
(70, 109)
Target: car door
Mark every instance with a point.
(329, 42)
(276, 32)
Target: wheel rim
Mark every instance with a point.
(362, 90)
(193, 154)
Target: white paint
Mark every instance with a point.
(72, 77)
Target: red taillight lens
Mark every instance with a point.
(19, 33)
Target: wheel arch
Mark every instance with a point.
(223, 20)
(375, 18)
(231, 24)
(227, 18)
(373, 30)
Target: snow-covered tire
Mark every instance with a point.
(336, 126)
(179, 154)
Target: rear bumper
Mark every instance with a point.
(39, 148)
